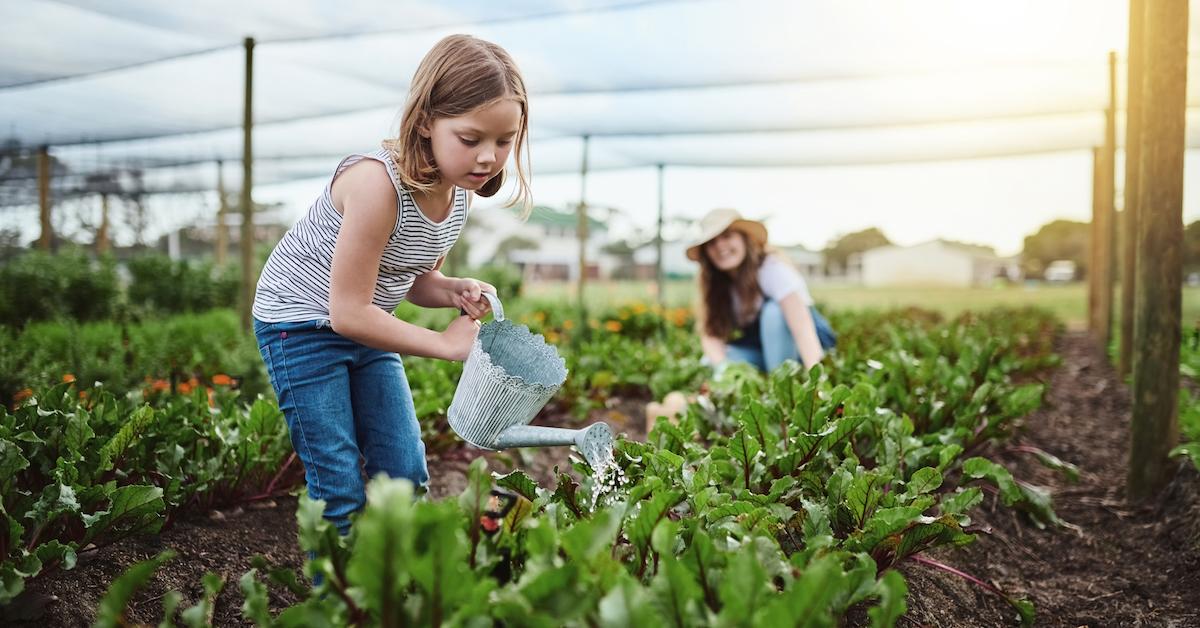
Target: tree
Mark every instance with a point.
(1060, 239)
(1191, 247)
(841, 249)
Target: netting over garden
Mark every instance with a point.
(131, 86)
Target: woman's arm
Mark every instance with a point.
(714, 348)
(368, 206)
(804, 330)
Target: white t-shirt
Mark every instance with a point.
(777, 280)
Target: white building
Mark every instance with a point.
(811, 264)
(937, 262)
(549, 247)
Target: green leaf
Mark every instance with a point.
(808, 599)
(134, 426)
(652, 510)
(962, 501)
(676, 595)
(627, 604)
(383, 552)
(256, 606)
(171, 601)
(744, 449)
(924, 480)
(982, 468)
(1189, 450)
(892, 590)
(133, 509)
(588, 539)
(1022, 401)
(200, 615)
(519, 483)
(863, 497)
(744, 590)
(111, 611)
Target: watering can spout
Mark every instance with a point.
(595, 442)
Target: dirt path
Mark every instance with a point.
(1124, 566)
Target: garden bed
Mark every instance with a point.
(1115, 565)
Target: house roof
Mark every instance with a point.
(550, 217)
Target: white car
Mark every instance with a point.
(1060, 270)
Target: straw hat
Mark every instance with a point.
(715, 222)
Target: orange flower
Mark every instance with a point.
(221, 379)
(568, 324)
(160, 385)
(68, 377)
(22, 395)
(639, 308)
(552, 336)
(613, 326)
(185, 388)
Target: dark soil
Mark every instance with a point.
(1117, 565)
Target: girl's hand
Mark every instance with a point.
(467, 296)
(459, 336)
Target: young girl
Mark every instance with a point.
(377, 236)
(754, 305)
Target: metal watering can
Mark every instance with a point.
(509, 376)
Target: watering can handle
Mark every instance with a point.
(497, 308)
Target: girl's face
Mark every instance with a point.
(726, 251)
(472, 148)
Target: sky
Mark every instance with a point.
(880, 101)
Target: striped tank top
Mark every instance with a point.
(294, 284)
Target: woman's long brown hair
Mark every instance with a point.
(717, 318)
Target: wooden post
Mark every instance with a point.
(222, 245)
(1133, 156)
(660, 283)
(582, 228)
(1104, 218)
(1093, 323)
(247, 182)
(46, 239)
(102, 243)
(1154, 428)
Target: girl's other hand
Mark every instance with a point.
(459, 336)
(467, 296)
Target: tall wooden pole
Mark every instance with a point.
(247, 183)
(1133, 156)
(582, 229)
(660, 283)
(1094, 243)
(1154, 428)
(46, 239)
(222, 209)
(102, 243)
(1105, 218)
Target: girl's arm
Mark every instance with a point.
(804, 330)
(433, 290)
(367, 200)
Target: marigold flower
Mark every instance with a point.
(221, 379)
(613, 326)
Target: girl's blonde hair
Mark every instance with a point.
(459, 75)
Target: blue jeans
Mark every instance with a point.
(343, 402)
(778, 344)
